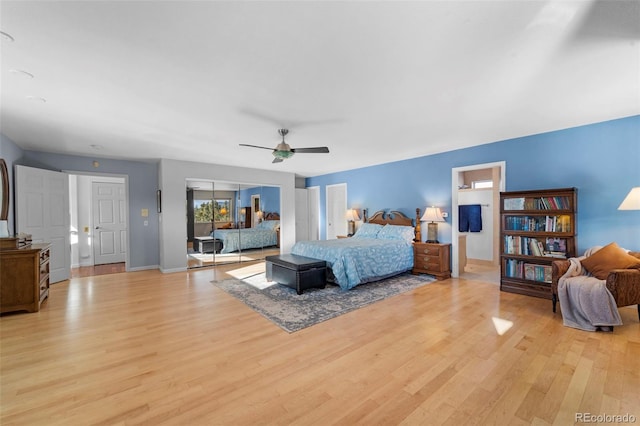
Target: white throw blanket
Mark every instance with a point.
(585, 301)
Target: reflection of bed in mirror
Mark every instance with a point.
(382, 247)
(264, 234)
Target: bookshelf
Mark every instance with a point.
(536, 227)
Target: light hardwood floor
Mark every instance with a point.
(152, 348)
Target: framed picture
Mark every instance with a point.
(159, 200)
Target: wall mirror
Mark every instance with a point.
(231, 222)
(4, 187)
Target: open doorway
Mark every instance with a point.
(98, 207)
(475, 250)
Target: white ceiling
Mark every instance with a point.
(374, 81)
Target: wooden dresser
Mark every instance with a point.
(432, 259)
(24, 277)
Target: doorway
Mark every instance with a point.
(99, 210)
(109, 222)
(483, 246)
(256, 210)
(336, 210)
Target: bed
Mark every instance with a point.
(264, 234)
(381, 248)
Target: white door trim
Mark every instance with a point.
(455, 172)
(127, 200)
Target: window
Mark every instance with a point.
(219, 209)
(482, 184)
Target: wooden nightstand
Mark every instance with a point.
(432, 259)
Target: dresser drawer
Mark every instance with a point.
(430, 264)
(426, 261)
(430, 250)
(44, 255)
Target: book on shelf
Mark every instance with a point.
(514, 203)
(534, 272)
(541, 203)
(558, 254)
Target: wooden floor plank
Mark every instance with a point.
(151, 348)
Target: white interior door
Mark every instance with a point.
(336, 210)
(313, 194)
(42, 210)
(302, 215)
(109, 222)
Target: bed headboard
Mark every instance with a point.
(394, 218)
(391, 218)
(272, 216)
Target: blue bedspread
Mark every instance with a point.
(359, 260)
(243, 239)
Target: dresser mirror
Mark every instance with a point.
(4, 187)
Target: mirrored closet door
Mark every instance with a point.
(230, 222)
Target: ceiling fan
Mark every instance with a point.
(283, 151)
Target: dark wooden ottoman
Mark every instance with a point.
(297, 272)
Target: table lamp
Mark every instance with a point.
(432, 215)
(352, 217)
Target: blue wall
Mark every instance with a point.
(143, 183)
(602, 160)
(269, 197)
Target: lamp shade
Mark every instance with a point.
(352, 214)
(632, 200)
(432, 214)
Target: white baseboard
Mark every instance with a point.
(169, 271)
(143, 268)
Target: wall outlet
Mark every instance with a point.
(445, 214)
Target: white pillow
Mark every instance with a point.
(368, 230)
(396, 232)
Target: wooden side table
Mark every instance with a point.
(432, 259)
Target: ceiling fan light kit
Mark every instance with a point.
(283, 151)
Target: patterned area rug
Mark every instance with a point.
(292, 312)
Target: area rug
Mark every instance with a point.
(293, 312)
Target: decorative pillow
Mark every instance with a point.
(225, 226)
(608, 258)
(396, 232)
(269, 225)
(367, 230)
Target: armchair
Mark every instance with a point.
(624, 284)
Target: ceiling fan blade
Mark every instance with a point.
(256, 146)
(316, 150)
(277, 160)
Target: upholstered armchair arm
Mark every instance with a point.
(558, 269)
(624, 285)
